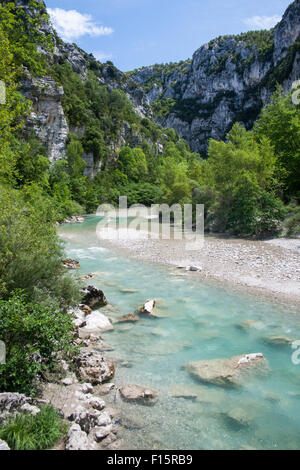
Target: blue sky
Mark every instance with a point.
(133, 33)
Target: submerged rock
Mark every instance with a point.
(227, 372)
(238, 417)
(278, 341)
(70, 264)
(138, 394)
(94, 368)
(130, 318)
(94, 298)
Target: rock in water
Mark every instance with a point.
(94, 298)
(97, 322)
(130, 318)
(70, 264)
(278, 341)
(227, 372)
(238, 417)
(94, 368)
(138, 394)
(148, 307)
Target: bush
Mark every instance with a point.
(38, 432)
(30, 251)
(33, 336)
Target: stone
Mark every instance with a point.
(96, 322)
(87, 388)
(77, 439)
(148, 307)
(97, 403)
(94, 298)
(86, 418)
(130, 318)
(30, 409)
(85, 309)
(227, 372)
(67, 381)
(278, 341)
(3, 445)
(238, 417)
(138, 394)
(194, 268)
(104, 419)
(70, 264)
(13, 404)
(102, 432)
(94, 368)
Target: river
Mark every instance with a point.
(198, 320)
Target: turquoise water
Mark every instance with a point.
(198, 321)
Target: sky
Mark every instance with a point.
(134, 33)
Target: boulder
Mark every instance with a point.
(97, 403)
(135, 393)
(227, 372)
(94, 368)
(102, 432)
(148, 307)
(130, 318)
(70, 264)
(86, 418)
(77, 439)
(3, 445)
(94, 298)
(86, 388)
(97, 322)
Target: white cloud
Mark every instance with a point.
(262, 22)
(102, 56)
(71, 25)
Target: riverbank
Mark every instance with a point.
(266, 268)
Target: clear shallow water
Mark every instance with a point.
(199, 321)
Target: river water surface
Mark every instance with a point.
(198, 321)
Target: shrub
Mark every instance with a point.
(33, 335)
(38, 432)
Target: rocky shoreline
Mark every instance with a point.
(78, 395)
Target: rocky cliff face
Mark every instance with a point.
(228, 80)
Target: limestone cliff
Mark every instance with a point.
(227, 80)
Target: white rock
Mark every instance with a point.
(3, 445)
(102, 432)
(77, 439)
(97, 403)
(87, 388)
(96, 321)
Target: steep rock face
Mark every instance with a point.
(230, 79)
(47, 119)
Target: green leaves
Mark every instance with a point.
(33, 334)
